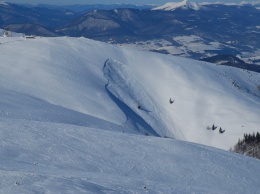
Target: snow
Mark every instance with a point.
(187, 46)
(146, 45)
(57, 158)
(252, 56)
(125, 89)
(13, 34)
(174, 5)
(182, 47)
(195, 44)
(70, 122)
(67, 75)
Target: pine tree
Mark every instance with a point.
(249, 145)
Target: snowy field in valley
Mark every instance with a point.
(77, 115)
(189, 46)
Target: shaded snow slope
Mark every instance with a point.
(124, 88)
(64, 80)
(42, 157)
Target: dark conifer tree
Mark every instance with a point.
(249, 145)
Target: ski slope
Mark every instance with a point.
(65, 80)
(45, 157)
(81, 116)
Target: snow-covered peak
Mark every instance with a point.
(174, 5)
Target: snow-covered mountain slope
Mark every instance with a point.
(72, 111)
(45, 157)
(71, 81)
(174, 5)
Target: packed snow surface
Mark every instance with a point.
(78, 116)
(44, 157)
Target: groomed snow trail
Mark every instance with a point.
(42, 157)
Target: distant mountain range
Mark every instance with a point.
(185, 29)
(186, 4)
(44, 19)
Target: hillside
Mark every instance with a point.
(45, 157)
(77, 115)
(69, 75)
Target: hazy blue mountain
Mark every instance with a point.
(33, 20)
(209, 30)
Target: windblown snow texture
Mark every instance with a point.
(69, 120)
(63, 80)
(133, 100)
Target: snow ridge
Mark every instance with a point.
(131, 95)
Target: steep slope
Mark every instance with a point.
(132, 97)
(65, 80)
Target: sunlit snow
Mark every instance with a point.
(78, 116)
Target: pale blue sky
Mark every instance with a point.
(139, 2)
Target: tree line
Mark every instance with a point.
(249, 145)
